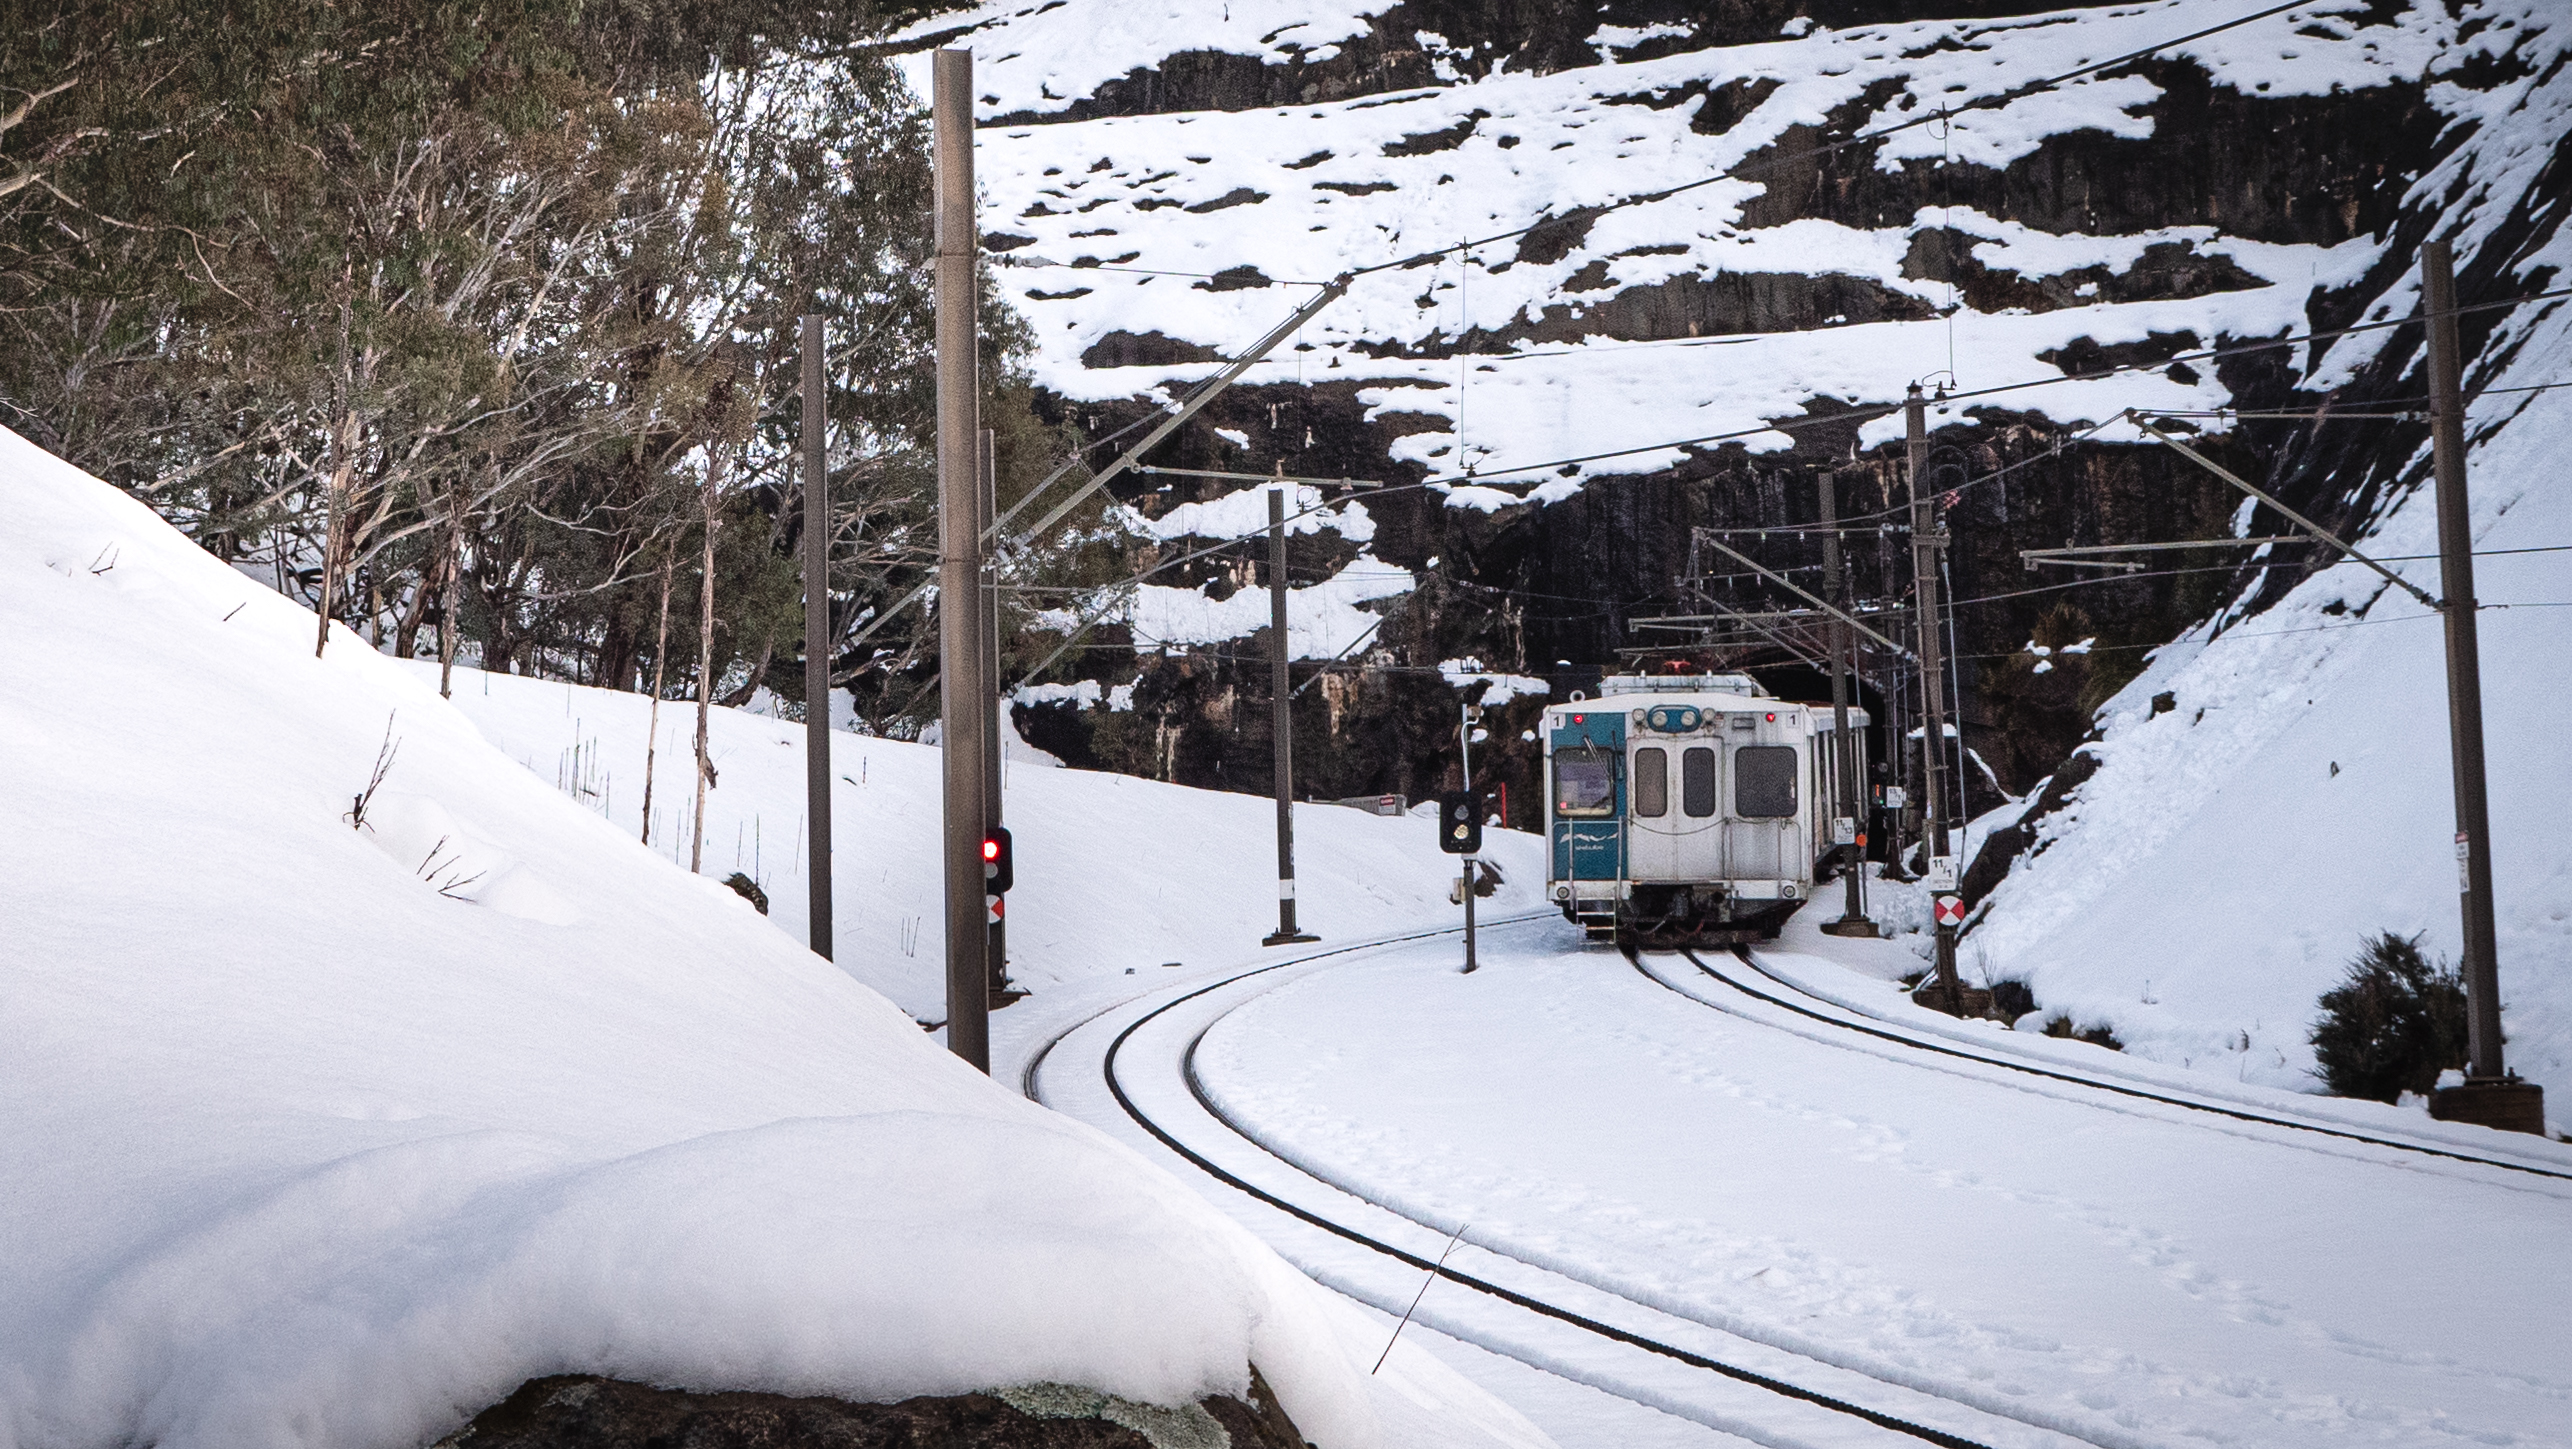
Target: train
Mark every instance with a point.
(1694, 809)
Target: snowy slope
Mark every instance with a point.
(2216, 874)
(1115, 874)
(331, 1136)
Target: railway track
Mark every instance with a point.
(1846, 1021)
(1192, 1126)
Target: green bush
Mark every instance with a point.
(2393, 1024)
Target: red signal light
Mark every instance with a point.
(991, 847)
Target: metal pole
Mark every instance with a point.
(2464, 666)
(988, 626)
(1933, 709)
(1281, 724)
(1853, 919)
(964, 692)
(817, 652)
(1465, 746)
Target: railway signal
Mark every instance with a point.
(1460, 823)
(998, 869)
(1951, 912)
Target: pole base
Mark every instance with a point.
(1287, 938)
(1852, 926)
(1971, 1002)
(2505, 1103)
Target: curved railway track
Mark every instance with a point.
(1840, 1018)
(1541, 1287)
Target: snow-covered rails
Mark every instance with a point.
(1691, 807)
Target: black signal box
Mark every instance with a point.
(999, 871)
(1460, 822)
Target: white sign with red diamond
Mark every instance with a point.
(1951, 910)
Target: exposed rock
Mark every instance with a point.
(581, 1411)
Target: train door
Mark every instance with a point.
(1764, 838)
(1672, 797)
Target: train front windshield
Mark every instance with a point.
(1584, 782)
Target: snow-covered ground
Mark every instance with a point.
(316, 1134)
(2121, 1272)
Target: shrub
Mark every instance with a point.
(2392, 1024)
(2100, 1035)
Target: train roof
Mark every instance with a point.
(1705, 691)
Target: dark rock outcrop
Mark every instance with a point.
(581, 1411)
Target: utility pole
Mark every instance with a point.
(2491, 1095)
(817, 651)
(1282, 723)
(1847, 828)
(965, 694)
(1933, 711)
(987, 500)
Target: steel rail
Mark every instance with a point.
(2241, 1114)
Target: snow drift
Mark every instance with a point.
(311, 1142)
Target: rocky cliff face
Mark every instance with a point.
(1166, 181)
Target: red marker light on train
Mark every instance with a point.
(1772, 718)
(1576, 719)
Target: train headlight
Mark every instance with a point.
(1562, 893)
(1787, 890)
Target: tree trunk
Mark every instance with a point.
(711, 498)
(450, 592)
(343, 469)
(660, 660)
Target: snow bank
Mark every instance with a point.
(310, 1142)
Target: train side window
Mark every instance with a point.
(1651, 782)
(1764, 781)
(1584, 782)
(1697, 782)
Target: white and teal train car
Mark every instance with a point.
(1692, 808)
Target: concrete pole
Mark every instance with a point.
(2464, 666)
(964, 692)
(1853, 918)
(817, 651)
(1282, 723)
(1933, 708)
(987, 503)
